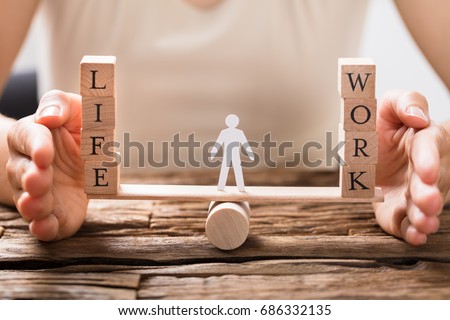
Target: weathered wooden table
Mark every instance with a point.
(158, 250)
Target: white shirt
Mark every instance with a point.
(182, 69)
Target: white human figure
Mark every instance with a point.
(232, 138)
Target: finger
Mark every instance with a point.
(45, 229)
(423, 223)
(15, 168)
(37, 181)
(32, 140)
(32, 208)
(411, 235)
(408, 108)
(57, 109)
(390, 216)
(427, 198)
(425, 155)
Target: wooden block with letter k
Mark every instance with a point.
(357, 181)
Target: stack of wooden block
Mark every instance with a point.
(98, 92)
(356, 84)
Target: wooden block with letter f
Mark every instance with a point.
(98, 92)
(356, 84)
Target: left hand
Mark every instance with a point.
(413, 167)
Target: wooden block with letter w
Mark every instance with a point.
(356, 78)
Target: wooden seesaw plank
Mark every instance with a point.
(251, 194)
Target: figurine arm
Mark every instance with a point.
(217, 146)
(246, 146)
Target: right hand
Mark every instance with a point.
(45, 169)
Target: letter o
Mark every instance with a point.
(367, 117)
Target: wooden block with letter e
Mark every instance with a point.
(356, 78)
(357, 181)
(98, 113)
(361, 147)
(101, 177)
(97, 76)
(358, 114)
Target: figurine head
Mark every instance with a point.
(232, 121)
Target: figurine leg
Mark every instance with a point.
(239, 176)
(223, 174)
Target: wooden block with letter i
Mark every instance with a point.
(357, 181)
(97, 76)
(101, 177)
(356, 78)
(98, 113)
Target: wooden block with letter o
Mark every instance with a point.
(357, 181)
(98, 113)
(97, 76)
(361, 147)
(97, 145)
(356, 78)
(101, 177)
(359, 114)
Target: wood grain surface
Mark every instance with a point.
(146, 249)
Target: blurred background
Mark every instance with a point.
(400, 66)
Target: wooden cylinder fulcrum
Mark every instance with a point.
(228, 224)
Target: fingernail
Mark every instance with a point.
(50, 111)
(416, 112)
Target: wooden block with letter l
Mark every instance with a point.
(98, 113)
(101, 177)
(356, 78)
(361, 147)
(357, 181)
(358, 114)
(97, 145)
(97, 76)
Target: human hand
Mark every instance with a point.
(45, 169)
(412, 169)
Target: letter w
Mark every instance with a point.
(358, 81)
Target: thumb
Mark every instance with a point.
(407, 108)
(57, 109)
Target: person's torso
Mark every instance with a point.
(182, 69)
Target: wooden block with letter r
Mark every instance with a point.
(97, 145)
(359, 114)
(356, 78)
(97, 76)
(98, 113)
(101, 177)
(361, 147)
(357, 181)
